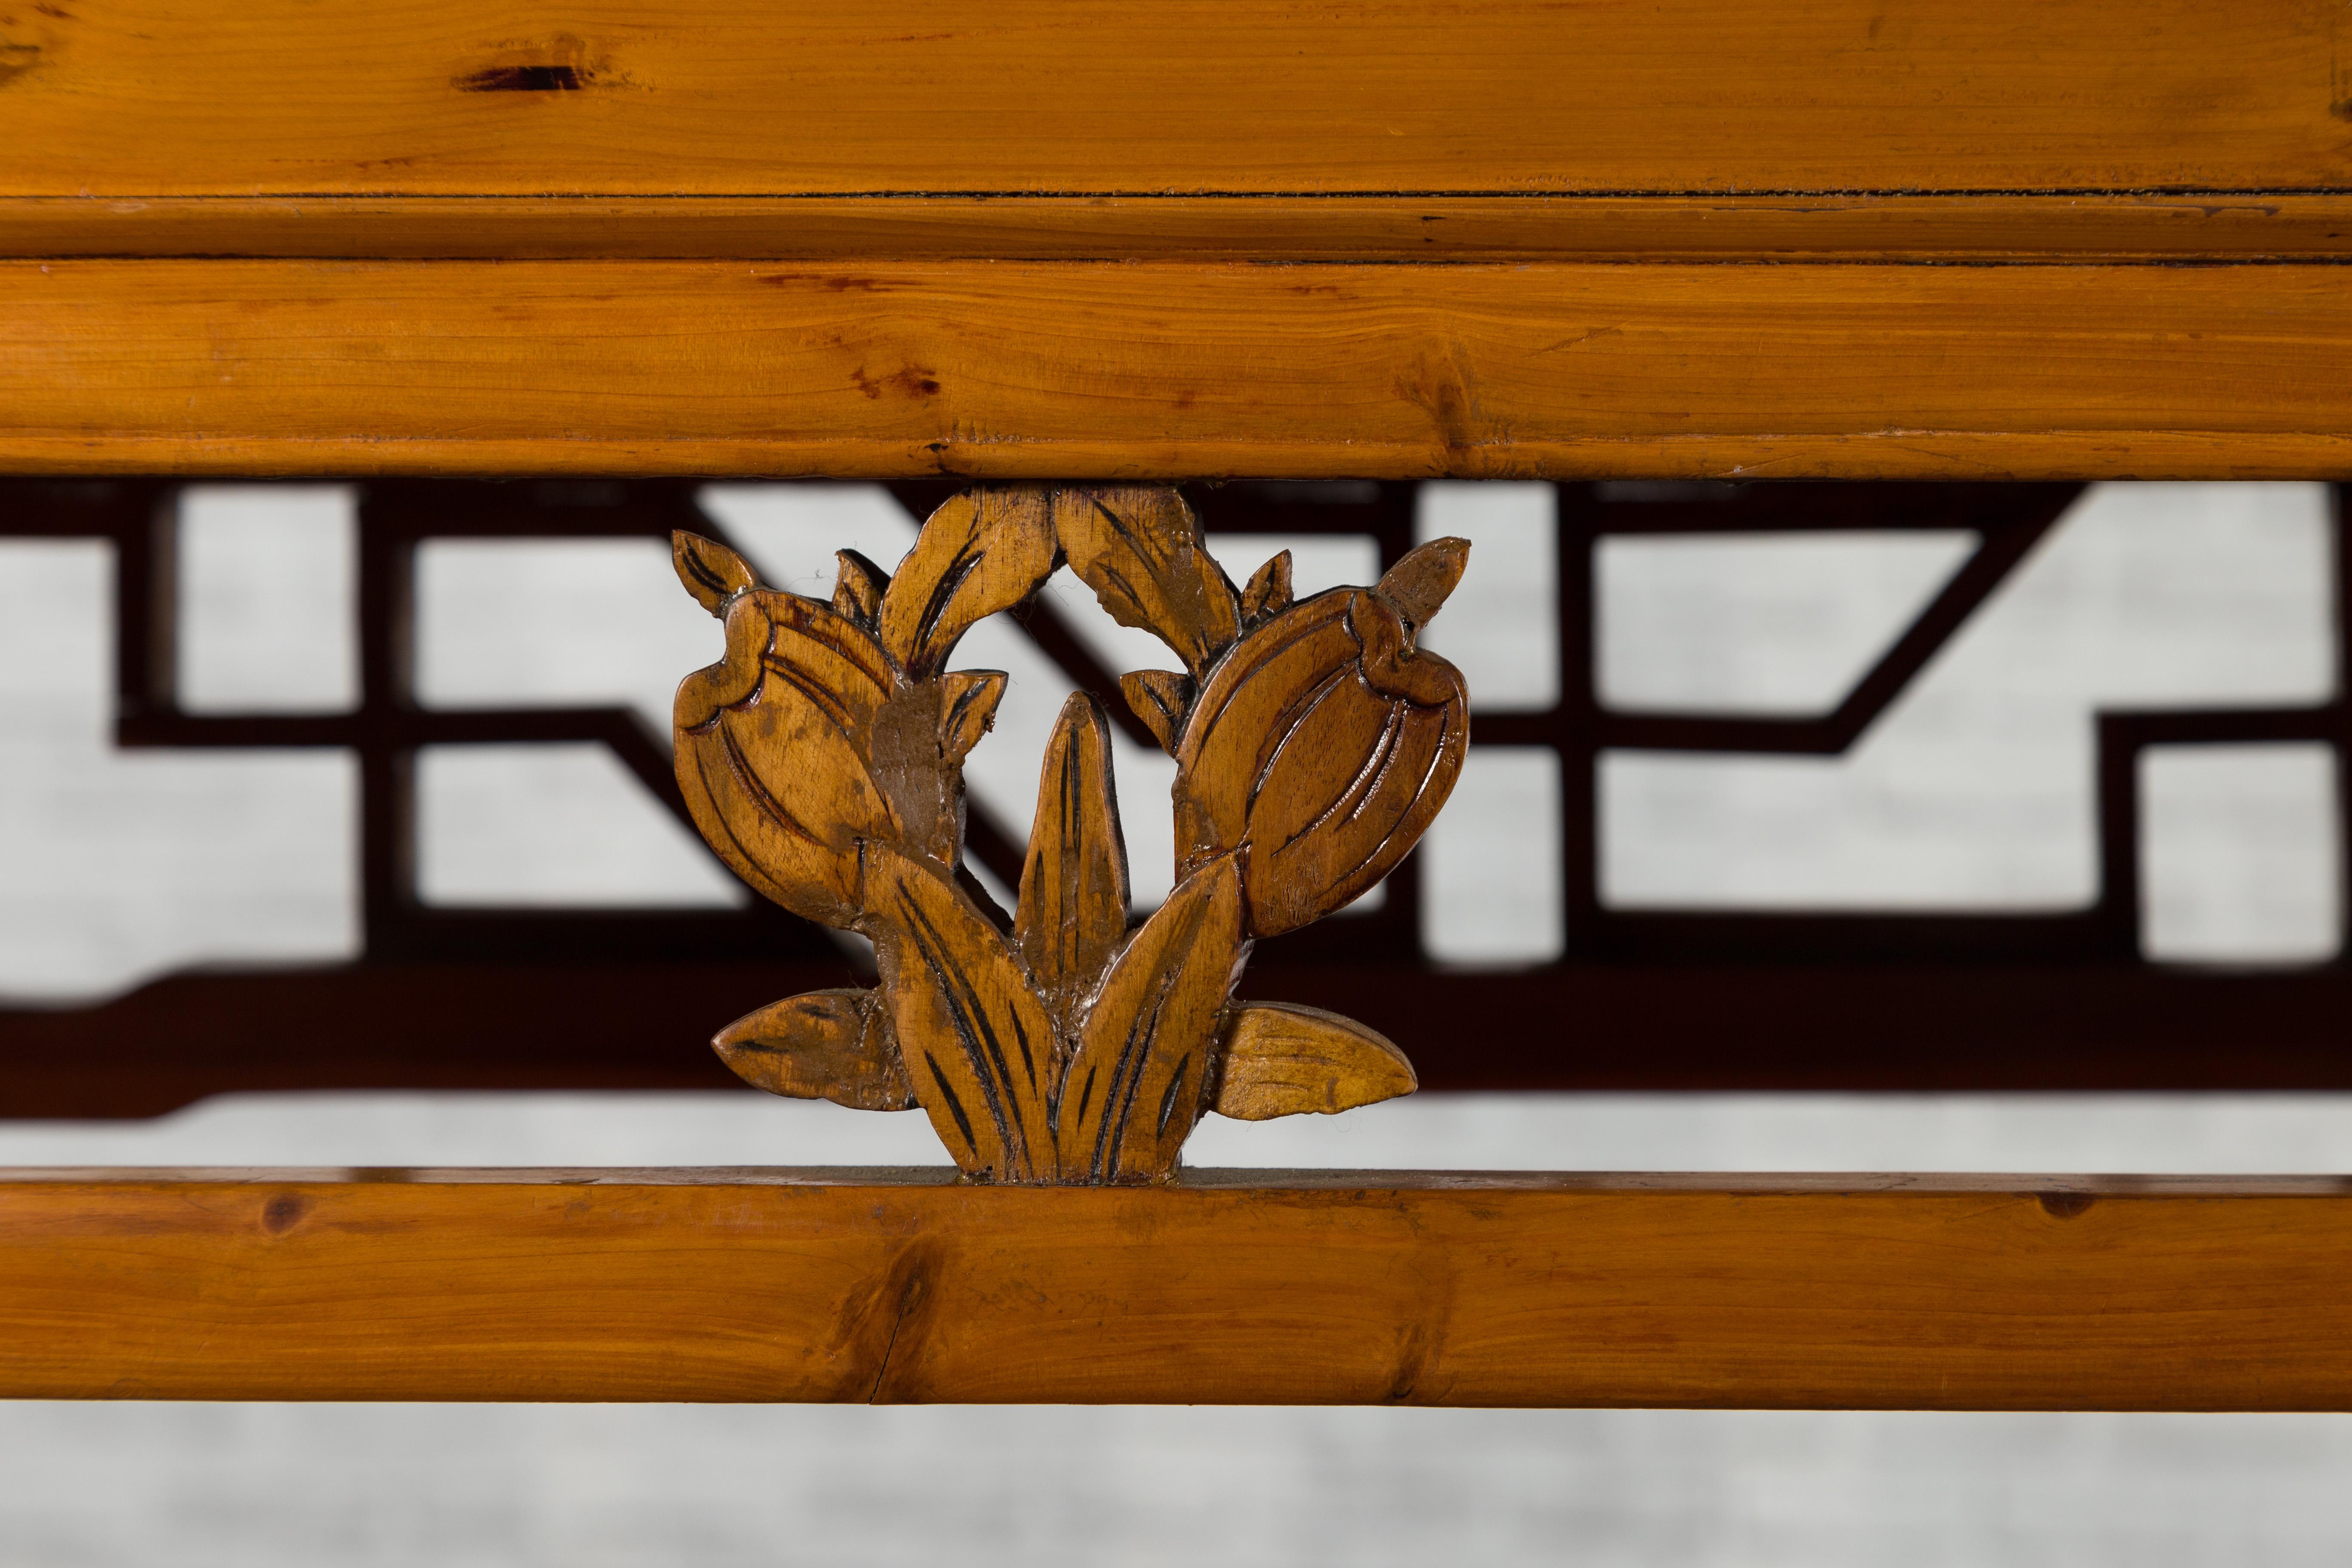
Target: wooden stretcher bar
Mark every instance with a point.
(1174, 369)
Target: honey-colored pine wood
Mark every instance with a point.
(1074, 881)
(1175, 370)
(1324, 743)
(1252, 1287)
(831, 1045)
(823, 757)
(140, 99)
(1139, 549)
(1280, 1058)
(1145, 1057)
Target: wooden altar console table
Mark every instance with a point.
(1178, 240)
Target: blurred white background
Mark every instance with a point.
(1974, 792)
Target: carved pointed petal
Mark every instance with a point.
(858, 586)
(1161, 699)
(1285, 1060)
(1135, 1083)
(711, 573)
(976, 1041)
(1268, 591)
(967, 700)
(1422, 582)
(826, 1045)
(1073, 888)
(1394, 666)
(984, 551)
(1139, 549)
(735, 677)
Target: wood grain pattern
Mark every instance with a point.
(1715, 226)
(2017, 1292)
(140, 99)
(1178, 370)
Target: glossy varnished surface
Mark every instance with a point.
(2000, 1291)
(1043, 370)
(973, 151)
(171, 98)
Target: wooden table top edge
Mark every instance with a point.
(1221, 1179)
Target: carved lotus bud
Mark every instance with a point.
(821, 757)
(827, 726)
(1323, 743)
(774, 742)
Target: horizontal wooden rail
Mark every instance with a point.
(1046, 370)
(2010, 1293)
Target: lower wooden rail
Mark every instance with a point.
(2007, 1293)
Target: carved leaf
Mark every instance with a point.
(826, 1045)
(1073, 888)
(967, 700)
(858, 587)
(907, 752)
(1139, 549)
(1282, 1059)
(1320, 749)
(1161, 698)
(984, 551)
(1268, 593)
(978, 1046)
(1416, 585)
(1135, 1083)
(769, 752)
(711, 573)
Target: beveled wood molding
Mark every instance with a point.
(2084, 226)
(1249, 1287)
(1146, 371)
(822, 760)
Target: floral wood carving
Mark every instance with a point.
(823, 758)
